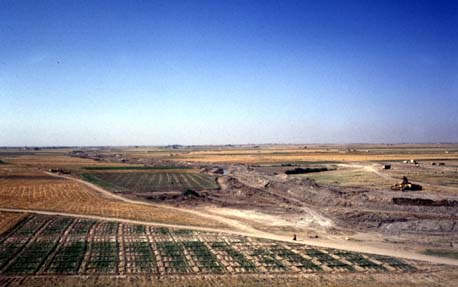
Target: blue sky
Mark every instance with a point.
(217, 72)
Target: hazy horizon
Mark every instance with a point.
(126, 73)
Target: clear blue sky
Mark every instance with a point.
(216, 72)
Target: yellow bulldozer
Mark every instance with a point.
(406, 185)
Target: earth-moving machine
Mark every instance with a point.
(406, 185)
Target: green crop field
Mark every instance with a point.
(152, 182)
(134, 167)
(55, 245)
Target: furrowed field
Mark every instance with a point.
(29, 190)
(54, 245)
(152, 181)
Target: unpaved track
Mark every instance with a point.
(375, 169)
(242, 229)
(314, 216)
(229, 222)
(345, 245)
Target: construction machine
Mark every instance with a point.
(406, 185)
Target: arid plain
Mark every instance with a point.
(286, 215)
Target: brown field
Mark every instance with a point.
(60, 195)
(417, 279)
(52, 161)
(350, 207)
(331, 153)
(349, 178)
(8, 219)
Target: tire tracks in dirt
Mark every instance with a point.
(241, 229)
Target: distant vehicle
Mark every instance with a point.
(405, 185)
(59, 170)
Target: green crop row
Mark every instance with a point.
(327, 259)
(57, 226)
(81, 227)
(358, 259)
(204, 257)
(68, 259)
(174, 252)
(31, 258)
(268, 259)
(296, 259)
(238, 257)
(104, 257)
(144, 259)
(135, 167)
(394, 262)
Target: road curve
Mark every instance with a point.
(241, 229)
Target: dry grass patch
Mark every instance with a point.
(8, 219)
(349, 178)
(61, 195)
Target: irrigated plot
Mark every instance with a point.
(103, 258)
(139, 257)
(296, 260)
(204, 259)
(172, 257)
(358, 260)
(267, 260)
(55, 245)
(327, 260)
(31, 258)
(394, 263)
(81, 227)
(68, 258)
(153, 181)
(235, 260)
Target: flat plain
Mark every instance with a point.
(227, 215)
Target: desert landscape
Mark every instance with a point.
(236, 215)
(245, 143)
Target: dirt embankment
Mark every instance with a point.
(422, 215)
(423, 202)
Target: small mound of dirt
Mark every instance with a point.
(191, 193)
(423, 201)
(300, 170)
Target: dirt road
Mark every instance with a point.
(375, 169)
(313, 217)
(226, 221)
(243, 229)
(345, 245)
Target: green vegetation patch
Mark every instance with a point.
(31, 258)
(295, 259)
(204, 258)
(183, 232)
(104, 257)
(92, 178)
(135, 167)
(394, 262)
(268, 259)
(161, 230)
(140, 256)
(81, 227)
(57, 227)
(68, 259)
(237, 256)
(173, 257)
(107, 229)
(327, 259)
(151, 182)
(359, 260)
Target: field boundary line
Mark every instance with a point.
(348, 246)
